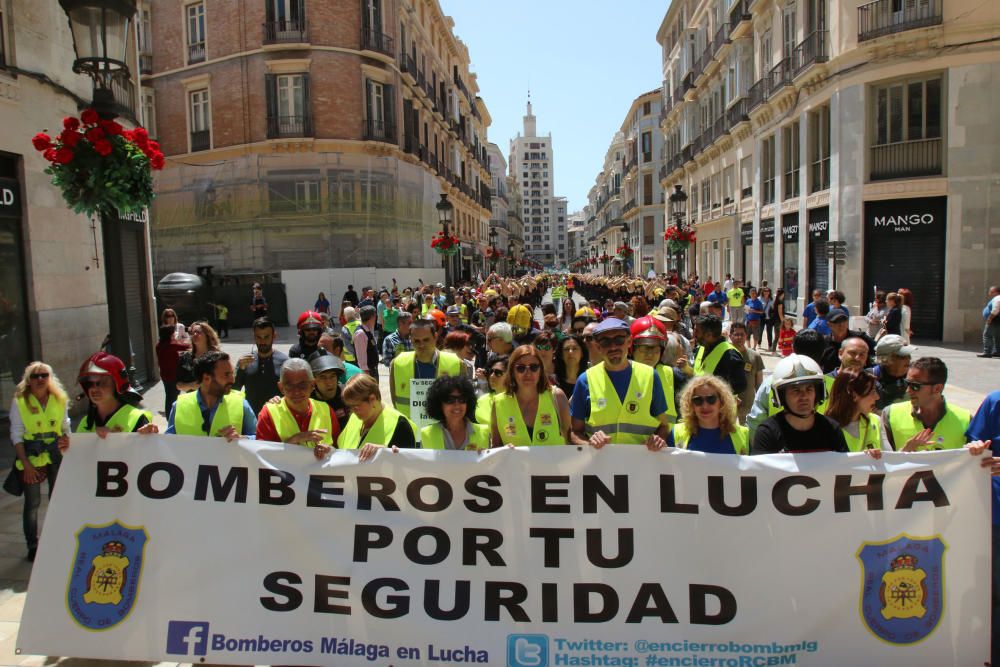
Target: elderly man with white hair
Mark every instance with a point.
(298, 419)
(500, 338)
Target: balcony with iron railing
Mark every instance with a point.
(779, 77)
(812, 50)
(739, 17)
(373, 40)
(285, 31)
(281, 127)
(201, 140)
(721, 38)
(884, 17)
(737, 113)
(123, 92)
(755, 96)
(379, 130)
(907, 159)
(407, 65)
(629, 205)
(196, 53)
(699, 66)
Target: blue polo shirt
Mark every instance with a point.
(809, 312)
(579, 406)
(986, 426)
(717, 297)
(820, 325)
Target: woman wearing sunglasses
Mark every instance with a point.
(708, 419)
(529, 412)
(571, 359)
(496, 368)
(451, 402)
(113, 402)
(39, 428)
(545, 345)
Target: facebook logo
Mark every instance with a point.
(527, 651)
(187, 638)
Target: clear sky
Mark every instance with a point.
(585, 61)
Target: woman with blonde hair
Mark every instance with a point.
(529, 412)
(708, 419)
(39, 429)
(203, 339)
(169, 318)
(371, 424)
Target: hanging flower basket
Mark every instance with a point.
(99, 166)
(446, 245)
(678, 240)
(625, 252)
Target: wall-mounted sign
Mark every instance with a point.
(819, 223)
(790, 227)
(767, 230)
(746, 233)
(10, 198)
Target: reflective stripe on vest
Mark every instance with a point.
(379, 434)
(432, 436)
(949, 433)
(403, 371)
(629, 423)
(666, 374)
(740, 438)
(703, 366)
(514, 430)
(125, 420)
(188, 419)
(484, 409)
(869, 434)
(773, 409)
(286, 426)
(40, 425)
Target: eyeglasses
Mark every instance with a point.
(39, 376)
(915, 386)
(617, 341)
(544, 347)
(454, 400)
(527, 368)
(700, 400)
(497, 372)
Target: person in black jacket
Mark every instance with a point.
(839, 332)
(351, 296)
(708, 329)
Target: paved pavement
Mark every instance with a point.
(971, 379)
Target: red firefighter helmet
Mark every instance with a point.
(439, 318)
(648, 327)
(309, 317)
(102, 363)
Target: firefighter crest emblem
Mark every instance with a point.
(104, 581)
(902, 587)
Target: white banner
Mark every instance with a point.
(188, 549)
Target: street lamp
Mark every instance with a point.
(493, 249)
(511, 260)
(604, 248)
(100, 42)
(678, 211)
(445, 209)
(593, 255)
(625, 244)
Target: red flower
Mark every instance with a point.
(154, 146)
(71, 123)
(111, 127)
(89, 116)
(41, 141)
(140, 134)
(103, 147)
(70, 138)
(64, 155)
(156, 162)
(49, 154)
(94, 135)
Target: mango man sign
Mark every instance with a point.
(256, 553)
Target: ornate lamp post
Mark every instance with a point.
(678, 211)
(511, 260)
(625, 244)
(445, 209)
(100, 42)
(593, 255)
(604, 256)
(493, 249)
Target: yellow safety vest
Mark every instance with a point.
(125, 420)
(484, 408)
(666, 374)
(514, 430)
(403, 371)
(463, 314)
(40, 425)
(188, 420)
(703, 366)
(949, 432)
(869, 434)
(740, 438)
(432, 436)
(286, 426)
(379, 434)
(627, 423)
(348, 345)
(773, 409)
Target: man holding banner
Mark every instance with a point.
(298, 419)
(213, 409)
(425, 362)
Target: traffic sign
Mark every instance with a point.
(837, 251)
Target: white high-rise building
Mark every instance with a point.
(532, 165)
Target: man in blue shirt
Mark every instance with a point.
(822, 309)
(217, 378)
(718, 297)
(985, 428)
(809, 312)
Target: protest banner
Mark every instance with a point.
(191, 549)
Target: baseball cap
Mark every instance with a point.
(453, 310)
(893, 344)
(611, 324)
(836, 317)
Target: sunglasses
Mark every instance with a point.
(454, 400)
(527, 368)
(544, 347)
(701, 400)
(916, 386)
(496, 372)
(617, 341)
(39, 376)
(87, 384)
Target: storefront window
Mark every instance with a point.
(767, 252)
(13, 311)
(790, 260)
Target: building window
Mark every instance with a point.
(379, 104)
(145, 32)
(284, 21)
(819, 149)
(294, 192)
(767, 170)
(200, 120)
(647, 189)
(288, 113)
(790, 159)
(647, 146)
(195, 32)
(647, 230)
(728, 186)
(717, 191)
(906, 141)
(746, 177)
(706, 195)
(149, 111)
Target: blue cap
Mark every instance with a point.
(611, 324)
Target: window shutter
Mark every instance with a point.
(299, 13)
(269, 11)
(368, 100)
(306, 107)
(271, 93)
(389, 112)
